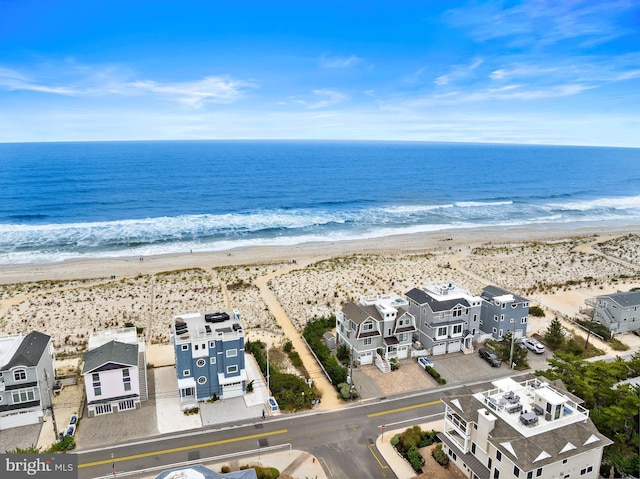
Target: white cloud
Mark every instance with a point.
(340, 62)
(86, 81)
(458, 72)
(323, 98)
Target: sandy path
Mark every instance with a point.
(329, 394)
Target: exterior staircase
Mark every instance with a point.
(383, 364)
(142, 372)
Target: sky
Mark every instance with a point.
(532, 71)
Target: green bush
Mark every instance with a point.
(415, 458)
(440, 456)
(395, 440)
(313, 332)
(536, 311)
(294, 357)
(618, 345)
(287, 347)
(436, 375)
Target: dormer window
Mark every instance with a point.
(20, 375)
(367, 326)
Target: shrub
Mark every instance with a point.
(536, 311)
(294, 357)
(395, 440)
(440, 456)
(618, 345)
(415, 458)
(225, 469)
(436, 375)
(288, 347)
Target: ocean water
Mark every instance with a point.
(61, 201)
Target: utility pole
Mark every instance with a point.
(268, 387)
(351, 374)
(53, 416)
(513, 339)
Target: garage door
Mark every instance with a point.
(366, 358)
(439, 349)
(403, 352)
(231, 390)
(454, 347)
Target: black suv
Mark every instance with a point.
(489, 357)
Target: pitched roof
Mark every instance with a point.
(358, 314)
(490, 292)
(30, 350)
(422, 297)
(112, 352)
(632, 298)
(198, 471)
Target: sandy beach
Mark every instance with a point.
(558, 268)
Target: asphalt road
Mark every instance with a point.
(342, 440)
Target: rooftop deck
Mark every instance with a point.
(515, 403)
(223, 324)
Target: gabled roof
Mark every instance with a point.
(490, 292)
(113, 352)
(358, 314)
(632, 298)
(30, 350)
(422, 297)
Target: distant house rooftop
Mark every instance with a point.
(215, 325)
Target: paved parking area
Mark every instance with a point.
(20, 437)
(456, 368)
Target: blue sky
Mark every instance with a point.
(557, 72)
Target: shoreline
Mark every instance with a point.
(443, 240)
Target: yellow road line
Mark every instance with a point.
(183, 448)
(406, 408)
(378, 460)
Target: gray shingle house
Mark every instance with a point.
(447, 317)
(376, 323)
(209, 351)
(27, 374)
(619, 312)
(503, 311)
(529, 429)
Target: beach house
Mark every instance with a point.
(209, 351)
(378, 328)
(523, 430)
(619, 312)
(447, 317)
(115, 372)
(27, 374)
(503, 311)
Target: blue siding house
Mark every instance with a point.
(209, 350)
(503, 311)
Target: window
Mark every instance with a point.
(23, 395)
(503, 305)
(232, 353)
(367, 326)
(516, 471)
(457, 329)
(586, 470)
(511, 320)
(514, 305)
(195, 346)
(97, 391)
(530, 475)
(496, 474)
(457, 313)
(95, 377)
(202, 380)
(19, 375)
(201, 362)
(495, 330)
(103, 409)
(232, 369)
(495, 318)
(473, 448)
(212, 361)
(502, 317)
(186, 372)
(498, 455)
(212, 344)
(185, 347)
(126, 379)
(475, 316)
(442, 331)
(538, 472)
(126, 405)
(564, 461)
(523, 320)
(367, 341)
(500, 334)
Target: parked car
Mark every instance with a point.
(424, 362)
(73, 420)
(521, 345)
(490, 357)
(533, 345)
(71, 430)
